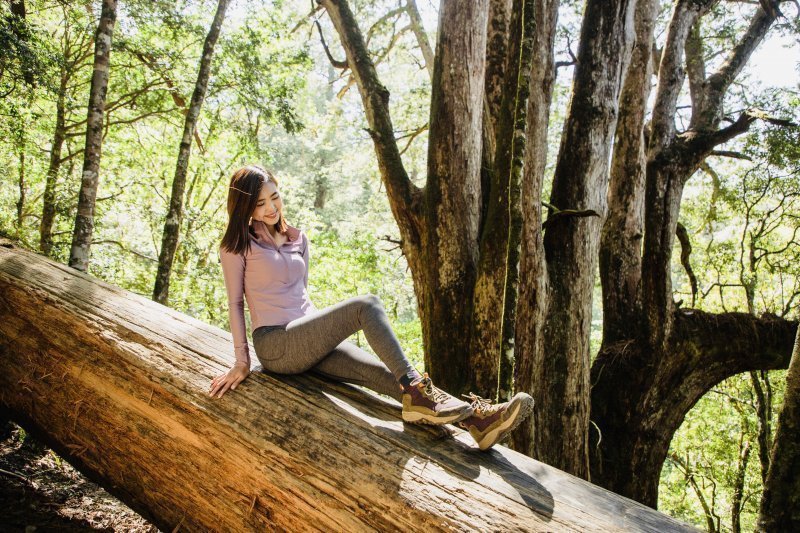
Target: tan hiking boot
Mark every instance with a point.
(490, 423)
(425, 404)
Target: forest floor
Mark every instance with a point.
(41, 492)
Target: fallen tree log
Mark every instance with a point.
(116, 384)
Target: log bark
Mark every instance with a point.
(84, 220)
(116, 384)
(172, 224)
(780, 503)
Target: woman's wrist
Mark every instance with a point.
(242, 363)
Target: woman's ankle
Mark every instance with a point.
(407, 379)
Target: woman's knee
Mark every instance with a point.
(371, 305)
(372, 300)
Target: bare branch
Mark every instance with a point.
(556, 213)
(125, 249)
(335, 62)
(734, 155)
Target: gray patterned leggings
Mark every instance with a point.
(316, 342)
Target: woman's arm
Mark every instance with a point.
(233, 271)
(306, 257)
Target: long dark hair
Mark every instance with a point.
(243, 193)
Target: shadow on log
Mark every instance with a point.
(117, 385)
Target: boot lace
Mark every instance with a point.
(481, 405)
(434, 393)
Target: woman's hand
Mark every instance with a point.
(229, 380)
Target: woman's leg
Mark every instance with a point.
(308, 340)
(349, 363)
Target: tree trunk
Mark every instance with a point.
(621, 240)
(780, 502)
(738, 487)
(453, 191)
(571, 243)
(532, 300)
(84, 220)
(116, 384)
(419, 32)
(638, 403)
(763, 402)
(522, 47)
(22, 190)
(487, 304)
(490, 368)
(18, 11)
(172, 225)
(644, 383)
(49, 197)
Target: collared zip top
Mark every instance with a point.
(273, 279)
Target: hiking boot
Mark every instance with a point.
(490, 423)
(425, 404)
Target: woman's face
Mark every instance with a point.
(270, 206)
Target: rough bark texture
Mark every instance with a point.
(84, 220)
(571, 243)
(117, 385)
(494, 299)
(532, 299)
(780, 503)
(621, 239)
(636, 425)
(674, 157)
(442, 225)
(172, 224)
(487, 302)
(663, 194)
(523, 28)
(453, 189)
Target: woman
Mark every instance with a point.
(266, 260)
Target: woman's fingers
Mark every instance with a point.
(223, 382)
(220, 381)
(224, 389)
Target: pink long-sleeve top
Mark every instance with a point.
(273, 279)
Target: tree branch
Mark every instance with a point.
(670, 72)
(719, 82)
(405, 197)
(335, 62)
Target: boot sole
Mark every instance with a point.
(523, 409)
(413, 417)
